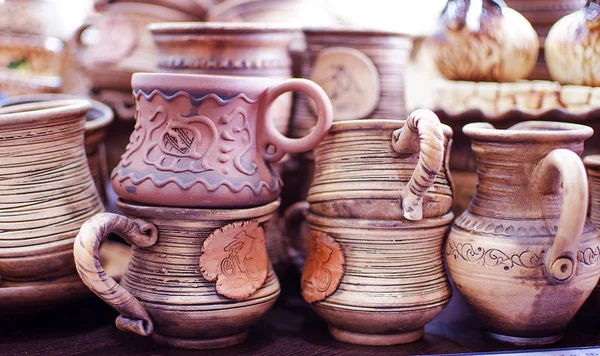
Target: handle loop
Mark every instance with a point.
(137, 232)
(562, 165)
(423, 134)
(274, 144)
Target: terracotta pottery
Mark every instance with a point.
(197, 278)
(484, 40)
(572, 45)
(542, 14)
(366, 279)
(383, 169)
(362, 72)
(207, 141)
(47, 189)
(237, 49)
(592, 164)
(96, 124)
(523, 254)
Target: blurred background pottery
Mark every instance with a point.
(572, 47)
(484, 40)
(47, 188)
(96, 123)
(192, 311)
(523, 255)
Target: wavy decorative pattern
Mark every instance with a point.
(493, 257)
(46, 194)
(193, 99)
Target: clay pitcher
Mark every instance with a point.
(523, 254)
(374, 268)
(47, 191)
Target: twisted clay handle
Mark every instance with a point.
(282, 144)
(421, 134)
(137, 232)
(566, 166)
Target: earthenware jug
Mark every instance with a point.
(572, 47)
(484, 40)
(198, 278)
(47, 189)
(383, 169)
(523, 254)
(208, 141)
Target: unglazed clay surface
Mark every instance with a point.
(207, 144)
(523, 254)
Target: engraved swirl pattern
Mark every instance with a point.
(388, 267)
(46, 189)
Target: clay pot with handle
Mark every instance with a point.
(523, 255)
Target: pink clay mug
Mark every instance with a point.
(207, 141)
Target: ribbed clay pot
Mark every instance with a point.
(197, 278)
(96, 123)
(47, 188)
(523, 255)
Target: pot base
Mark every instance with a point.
(374, 339)
(525, 341)
(200, 343)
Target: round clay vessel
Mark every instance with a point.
(572, 47)
(208, 141)
(237, 49)
(362, 72)
(592, 163)
(197, 278)
(484, 40)
(47, 188)
(383, 169)
(523, 254)
(376, 282)
(96, 123)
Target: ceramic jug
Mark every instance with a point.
(383, 169)
(484, 40)
(47, 191)
(198, 278)
(572, 47)
(523, 254)
(209, 141)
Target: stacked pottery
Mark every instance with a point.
(47, 189)
(233, 49)
(197, 188)
(523, 254)
(96, 123)
(379, 209)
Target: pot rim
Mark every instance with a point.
(32, 112)
(529, 131)
(376, 124)
(352, 32)
(592, 161)
(181, 82)
(212, 28)
(209, 214)
(104, 119)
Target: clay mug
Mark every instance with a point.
(208, 141)
(47, 189)
(592, 163)
(523, 254)
(383, 169)
(198, 278)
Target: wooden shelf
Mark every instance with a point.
(291, 328)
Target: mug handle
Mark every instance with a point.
(137, 232)
(562, 165)
(423, 134)
(273, 143)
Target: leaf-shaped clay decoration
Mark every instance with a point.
(323, 269)
(235, 256)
